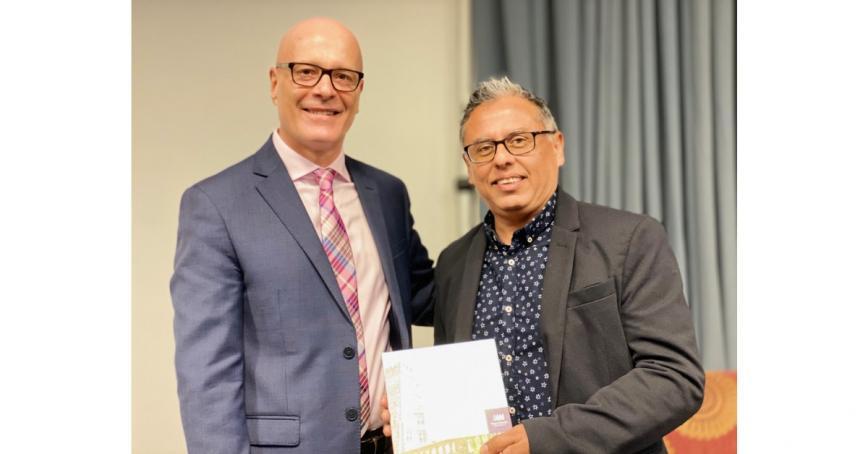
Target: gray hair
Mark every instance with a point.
(494, 88)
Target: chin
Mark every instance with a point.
(510, 209)
(323, 138)
(511, 203)
(321, 132)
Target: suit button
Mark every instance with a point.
(351, 414)
(349, 353)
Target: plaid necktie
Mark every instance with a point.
(336, 244)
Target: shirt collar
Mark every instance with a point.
(299, 167)
(534, 228)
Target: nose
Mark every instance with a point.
(324, 87)
(504, 157)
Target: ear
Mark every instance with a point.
(359, 100)
(468, 169)
(558, 143)
(272, 77)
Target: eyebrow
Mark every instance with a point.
(487, 139)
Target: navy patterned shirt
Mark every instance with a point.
(508, 309)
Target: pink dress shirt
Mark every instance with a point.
(374, 302)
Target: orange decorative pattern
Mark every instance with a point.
(668, 445)
(712, 430)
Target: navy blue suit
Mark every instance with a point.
(260, 323)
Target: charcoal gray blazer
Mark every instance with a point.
(617, 331)
(265, 349)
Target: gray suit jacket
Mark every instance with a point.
(618, 334)
(265, 347)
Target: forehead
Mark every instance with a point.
(497, 118)
(330, 50)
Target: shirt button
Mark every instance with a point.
(512, 410)
(508, 358)
(508, 309)
(351, 414)
(349, 353)
(530, 239)
(511, 262)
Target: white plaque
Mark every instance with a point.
(445, 399)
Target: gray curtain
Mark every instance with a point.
(644, 92)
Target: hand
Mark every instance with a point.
(387, 426)
(513, 441)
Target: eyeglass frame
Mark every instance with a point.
(323, 71)
(505, 146)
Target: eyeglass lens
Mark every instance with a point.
(516, 144)
(309, 75)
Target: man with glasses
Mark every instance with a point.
(295, 270)
(585, 303)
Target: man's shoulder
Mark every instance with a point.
(238, 170)
(593, 215)
(605, 224)
(381, 177)
(231, 181)
(457, 249)
(571, 213)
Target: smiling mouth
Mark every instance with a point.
(505, 181)
(323, 112)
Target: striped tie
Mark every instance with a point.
(336, 244)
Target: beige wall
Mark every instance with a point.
(201, 103)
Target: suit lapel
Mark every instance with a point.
(369, 197)
(466, 298)
(556, 284)
(280, 194)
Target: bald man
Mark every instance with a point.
(295, 269)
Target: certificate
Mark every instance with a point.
(447, 398)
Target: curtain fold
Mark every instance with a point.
(644, 91)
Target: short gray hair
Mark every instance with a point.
(495, 88)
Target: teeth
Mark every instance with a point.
(322, 112)
(508, 180)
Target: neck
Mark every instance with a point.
(505, 227)
(321, 157)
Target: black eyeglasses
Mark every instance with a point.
(517, 143)
(308, 75)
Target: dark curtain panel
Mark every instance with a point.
(644, 91)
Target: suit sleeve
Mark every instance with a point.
(665, 386)
(421, 274)
(207, 295)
